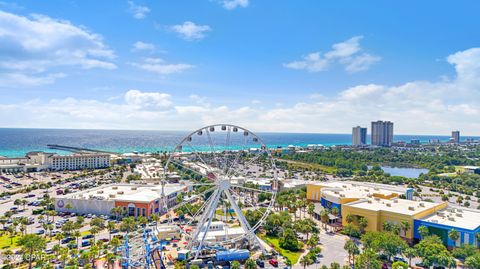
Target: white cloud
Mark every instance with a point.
(15, 80)
(159, 66)
(233, 4)
(138, 11)
(347, 53)
(190, 31)
(148, 100)
(30, 46)
(139, 45)
(416, 107)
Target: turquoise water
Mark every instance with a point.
(17, 142)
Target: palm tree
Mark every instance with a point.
(77, 235)
(352, 250)
(110, 259)
(335, 211)
(155, 218)
(235, 265)
(362, 223)
(31, 243)
(94, 231)
(250, 264)
(305, 260)
(324, 218)
(349, 218)
(405, 226)
(454, 235)
(11, 231)
(410, 253)
(59, 237)
(423, 231)
(110, 227)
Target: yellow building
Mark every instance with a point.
(335, 194)
(378, 211)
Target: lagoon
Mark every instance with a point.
(404, 172)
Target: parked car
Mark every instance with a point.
(88, 236)
(260, 263)
(273, 262)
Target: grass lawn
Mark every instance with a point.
(312, 166)
(291, 255)
(5, 241)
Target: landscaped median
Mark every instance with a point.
(293, 256)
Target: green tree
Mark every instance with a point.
(454, 235)
(410, 253)
(305, 260)
(362, 224)
(368, 260)
(334, 265)
(289, 240)
(399, 265)
(250, 264)
(352, 250)
(235, 265)
(405, 226)
(423, 231)
(429, 249)
(31, 244)
(473, 262)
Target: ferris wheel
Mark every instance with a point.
(235, 172)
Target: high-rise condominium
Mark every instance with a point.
(456, 136)
(382, 133)
(359, 136)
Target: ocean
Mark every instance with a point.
(17, 142)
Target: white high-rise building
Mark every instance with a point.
(382, 133)
(359, 136)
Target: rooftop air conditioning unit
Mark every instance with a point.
(120, 192)
(112, 196)
(435, 221)
(369, 201)
(459, 210)
(422, 204)
(114, 187)
(441, 214)
(134, 188)
(411, 208)
(342, 195)
(395, 201)
(389, 205)
(458, 215)
(451, 219)
(99, 192)
(377, 199)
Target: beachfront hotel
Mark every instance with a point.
(43, 161)
(380, 203)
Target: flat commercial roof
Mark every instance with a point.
(334, 191)
(456, 217)
(399, 206)
(126, 192)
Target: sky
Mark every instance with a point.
(268, 65)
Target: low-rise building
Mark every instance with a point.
(135, 200)
(465, 221)
(377, 211)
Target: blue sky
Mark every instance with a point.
(300, 66)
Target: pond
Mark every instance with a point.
(404, 172)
